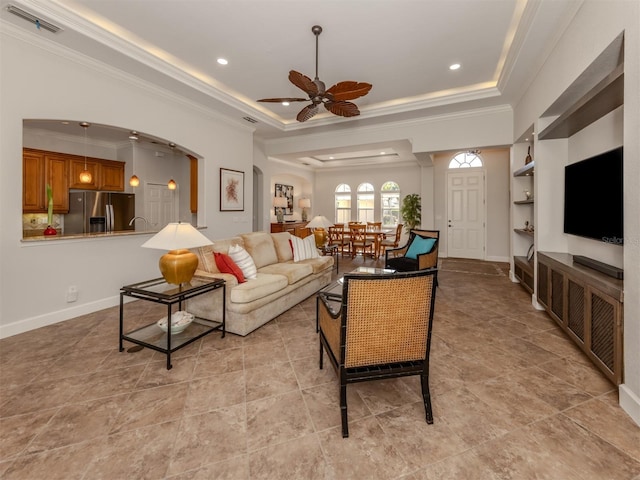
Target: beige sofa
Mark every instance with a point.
(281, 283)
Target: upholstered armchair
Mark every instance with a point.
(420, 252)
(379, 328)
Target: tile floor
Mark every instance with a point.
(512, 399)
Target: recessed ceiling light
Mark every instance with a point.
(455, 66)
(382, 153)
(330, 158)
(286, 104)
(223, 61)
(65, 123)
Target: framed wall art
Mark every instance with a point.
(287, 192)
(231, 190)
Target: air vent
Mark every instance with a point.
(250, 120)
(38, 22)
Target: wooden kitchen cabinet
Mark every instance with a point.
(111, 175)
(62, 172)
(33, 187)
(76, 166)
(193, 183)
(55, 174)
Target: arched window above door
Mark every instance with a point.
(466, 160)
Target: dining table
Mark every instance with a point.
(378, 234)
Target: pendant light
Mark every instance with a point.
(134, 181)
(85, 175)
(172, 184)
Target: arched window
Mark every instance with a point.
(366, 198)
(465, 160)
(390, 204)
(343, 203)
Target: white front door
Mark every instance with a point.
(161, 205)
(465, 221)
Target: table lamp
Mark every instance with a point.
(179, 264)
(319, 223)
(304, 203)
(280, 203)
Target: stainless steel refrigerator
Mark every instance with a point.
(95, 212)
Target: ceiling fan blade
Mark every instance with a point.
(349, 90)
(280, 100)
(344, 109)
(303, 82)
(307, 112)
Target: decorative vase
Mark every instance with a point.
(50, 231)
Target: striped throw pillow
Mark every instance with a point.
(243, 260)
(304, 248)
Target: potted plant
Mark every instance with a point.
(50, 230)
(411, 211)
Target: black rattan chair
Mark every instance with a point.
(380, 329)
(396, 259)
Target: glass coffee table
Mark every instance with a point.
(159, 291)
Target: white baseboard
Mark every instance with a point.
(630, 403)
(498, 259)
(32, 323)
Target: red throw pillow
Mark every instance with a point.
(226, 265)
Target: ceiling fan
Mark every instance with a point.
(334, 99)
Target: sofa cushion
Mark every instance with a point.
(318, 264)
(261, 248)
(226, 265)
(293, 271)
(264, 284)
(222, 246)
(206, 261)
(304, 248)
(242, 258)
(282, 243)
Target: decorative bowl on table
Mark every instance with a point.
(179, 321)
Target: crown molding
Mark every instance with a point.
(70, 54)
(406, 124)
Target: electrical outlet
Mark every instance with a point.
(72, 294)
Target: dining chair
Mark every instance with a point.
(359, 240)
(380, 329)
(391, 242)
(374, 225)
(336, 237)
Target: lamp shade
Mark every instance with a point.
(280, 202)
(179, 264)
(304, 203)
(175, 236)
(319, 221)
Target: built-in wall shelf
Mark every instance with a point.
(605, 97)
(524, 202)
(525, 171)
(523, 231)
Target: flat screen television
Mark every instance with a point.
(593, 203)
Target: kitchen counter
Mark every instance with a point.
(76, 236)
